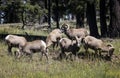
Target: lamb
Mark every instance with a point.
(54, 37)
(72, 33)
(68, 45)
(97, 45)
(15, 41)
(35, 46)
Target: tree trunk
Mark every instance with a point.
(46, 7)
(103, 24)
(23, 19)
(114, 27)
(57, 13)
(91, 18)
(79, 20)
(45, 4)
(49, 13)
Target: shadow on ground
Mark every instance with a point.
(84, 56)
(28, 37)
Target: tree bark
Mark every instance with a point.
(114, 27)
(91, 18)
(79, 20)
(57, 13)
(46, 7)
(103, 24)
(49, 13)
(23, 18)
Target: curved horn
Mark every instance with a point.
(61, 26)
(111, 49)
(64, 26)
(67, 26)
(109, 45)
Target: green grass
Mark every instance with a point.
(81, 68)
(16, 30)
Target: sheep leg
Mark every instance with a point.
(110, 53)
(96, 53)
(72, 57)
(54, 45)
(57, 43)
(9, 50)
(62, 54)
(46, 54)
(30, 56)
(29, 53)
(74, 54)
(16, 53)
(86, 50)
(41, 56)
(20, 52)
(69, 56)
(100, 53)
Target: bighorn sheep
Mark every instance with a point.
(54, 37)
(97, 45)
(71, 33)
(15, 41)
(35, 46)
(68, 45)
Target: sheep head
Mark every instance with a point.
(78, 41)
(65, 27)
(111, 49)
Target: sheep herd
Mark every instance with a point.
(71, 44)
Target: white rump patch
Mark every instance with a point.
(61, 40)
(44, 43)
(7, 37)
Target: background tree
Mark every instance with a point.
(114, 27)
(58, 9)
(77, 8)
(40, 11)
(103, 24)
(49, 13)
(91, 18)
(11, 10)
(57, 13)
(18, 11)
